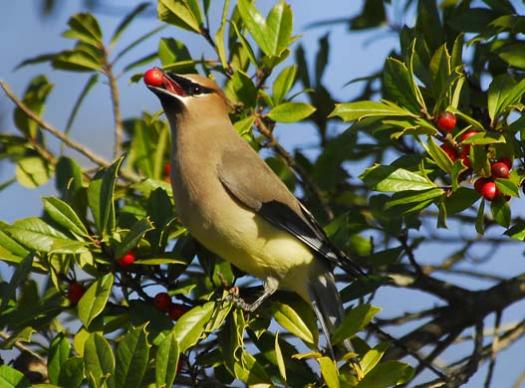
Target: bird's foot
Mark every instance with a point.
(234, 297)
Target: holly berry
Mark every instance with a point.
(489, 191)
(177, 310)
(465, 149)
(499, 170)
(167, 171)
(480, 182)
(126, 260)
(506, 161)
(154, 77)
(162, 301)
(450, 151)
(75, 291)
(446, 121)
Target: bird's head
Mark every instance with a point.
(187, 95)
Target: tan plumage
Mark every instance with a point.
(234, 204)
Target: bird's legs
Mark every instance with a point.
(270, 286)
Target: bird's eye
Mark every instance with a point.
(195, 89)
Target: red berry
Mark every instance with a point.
(127, 259)
(465, 149)
(480, 182)
(446, 121)
(177, 310)
(450, 151)
(162, 301)
(75, 292)
(154, 77)
(499, 170)
(489, 191)
(167, 171)
(507, 162)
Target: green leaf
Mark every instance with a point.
(399, 86)
(36, 234)
(460, 200)
(132, 358)
(279, 358)
(101, 200)
(166, 361)
(484, 138)
(219, 35)
(99, 360)
(279, 27)
(32, 172)
(85, 28)
(480, 218)
(190, 327)
(387, 374)
(11, 378)
(360, 109)
(71, 373)
(508, 187)
(439, 156)
(131, 239)
(501, 212)
(409, 196)
(64, 215)
(394, 179)
(329, 372)
(58, 354)
(503, 93)
(240, 88)
(124, 24)
(354, 321)
(34, 98)
(372, 357)
(181, 13)
(256, 24)
(94, 300)
(513, 54)
(173, 51)
(17, 279)
(12, 246)
(77, 60)
(293, 320)
(283, 83)
(290, 112)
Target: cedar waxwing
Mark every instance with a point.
(235, 205)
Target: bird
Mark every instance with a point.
(237, 207)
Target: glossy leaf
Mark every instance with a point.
(166, 361)
(99, 360)
(392, 179)
(283, 83)
(94, 300)
(180, 13)
(132, 357)
(354, 321)
(294, 322)
(131, 239)
(279, 358)
(290, 112)
(12, 378)
(58, 354)
(387, 374)
(329, 372)
(36, 234)
(18, 278)
(361, 109)
(32, 172)
(64, 215)
(190, 327)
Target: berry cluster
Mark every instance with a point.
(486, 187)
(162, 302)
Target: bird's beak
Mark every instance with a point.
(171, 86)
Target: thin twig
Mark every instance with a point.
(89, 154)
(494, 348)
(20, 346)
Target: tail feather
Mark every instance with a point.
(327, 305)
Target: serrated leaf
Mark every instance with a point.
(95, 298)
(166, 361)
(190, 327)
(354, 321)
(64, 215)
(132, 357)
(361, 109)
(290, 112)
(99, 360)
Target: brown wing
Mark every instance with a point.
(250, 181)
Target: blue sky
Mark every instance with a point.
(24, 34)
